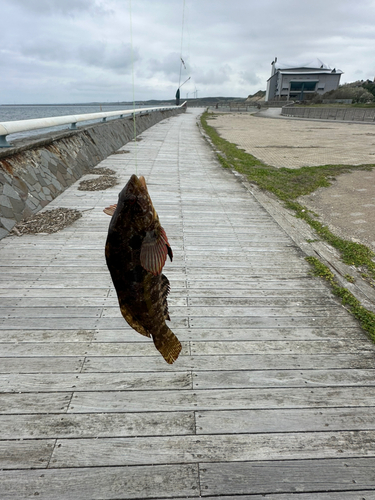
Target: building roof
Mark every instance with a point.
(315, 66)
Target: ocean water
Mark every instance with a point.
(28, 112)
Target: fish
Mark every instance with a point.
(136, 250)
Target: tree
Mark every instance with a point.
(354, 91)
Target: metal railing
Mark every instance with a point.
(12, 127)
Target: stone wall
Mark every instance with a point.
(34, 174)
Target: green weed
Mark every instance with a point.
(365, 317)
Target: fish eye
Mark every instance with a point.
(131, 199)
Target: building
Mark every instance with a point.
(298, 82)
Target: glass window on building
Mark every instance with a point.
(307, 86)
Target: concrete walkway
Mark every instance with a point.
(274, 392)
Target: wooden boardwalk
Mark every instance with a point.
(273, 395)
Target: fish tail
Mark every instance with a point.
(167, 344)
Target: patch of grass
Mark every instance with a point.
(352, 254)
(288, 184)
(365, 317)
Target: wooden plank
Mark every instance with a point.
(100, 292)
(227, 362)
(62, 382)
(263, 322)
(57, 270)
(212, 448)
(50, 312)
(281, 347)
(83, 279)
(256, 283)
(240, 274)
(264, 334)
(258, 292)
(78, 323)
(268, 302)
(244, 268)
(34, 403)
(96, 425)
(30, 283)
(40, 364)
(238, 257)
(320, 495)
(53, 323)
(203, 322)
(280, 378)
(25, 454)
(96, 483)
(276, 420)
(29, 302)
(224, 399)
(61, 335)
(143, 347)
(250, 310)
(64, 300)
(227, 249)
(119, 322)
(308, 476)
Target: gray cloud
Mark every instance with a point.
(65, 50)
(116, 57)
(64, 7)
(45, 49)
(213, 76)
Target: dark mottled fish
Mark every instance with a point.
(136, 251)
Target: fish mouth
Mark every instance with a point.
(142, 180)
(135, 189)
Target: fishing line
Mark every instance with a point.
(182, 39)
(133, 87)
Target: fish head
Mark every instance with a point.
(134, 204)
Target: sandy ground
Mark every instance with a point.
(348, 206)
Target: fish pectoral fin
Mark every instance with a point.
(167, 344)
(110, 210)
(170, 253)
(154, 251)
(169, 249)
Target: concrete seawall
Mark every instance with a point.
(33, 174)
(341, 114)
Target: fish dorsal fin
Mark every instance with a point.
(154, 251)
(165, 289)
(110, 210)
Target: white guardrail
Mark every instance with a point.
(16, 126)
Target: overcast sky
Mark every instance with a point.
(70, 51)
